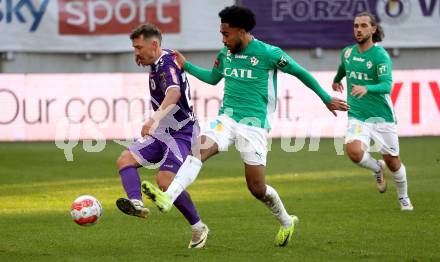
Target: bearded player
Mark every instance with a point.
(371, 117)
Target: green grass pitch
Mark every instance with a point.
(343, 217)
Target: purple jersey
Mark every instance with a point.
(164, 75)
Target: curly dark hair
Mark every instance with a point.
(238, 16)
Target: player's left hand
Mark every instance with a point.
(179, 58)
(337, 104)
(149, 127)
(338, 87)
(358, 91)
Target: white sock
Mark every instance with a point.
(197, 226)
(273, 202)
(185, 176)
(369, 162)
(401, 184)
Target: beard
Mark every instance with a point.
(363, 40)
(236, 48)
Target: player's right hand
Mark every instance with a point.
(337, 104)
(179, 58)
(338, 87)
(149, 127)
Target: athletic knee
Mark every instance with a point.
(355, 154)
(125, 159)
(393, 165)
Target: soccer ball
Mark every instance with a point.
(86, 210)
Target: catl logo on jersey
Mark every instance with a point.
(236, 72)
(358, 75)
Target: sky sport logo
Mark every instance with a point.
(106, 17)
(23, 12)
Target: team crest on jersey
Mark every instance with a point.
(369, 64)
(282, 62)
(254, 61)
(347, 53)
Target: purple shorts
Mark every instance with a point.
(168, 151)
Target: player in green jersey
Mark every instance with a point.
(367, 68)
(249, 68)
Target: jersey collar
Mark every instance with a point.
(156, 63)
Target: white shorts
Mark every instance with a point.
(384, 136)
(250, 141)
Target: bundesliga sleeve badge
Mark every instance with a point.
(282, 62)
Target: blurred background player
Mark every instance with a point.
(249, 67)
(367, 68)
(166, 137)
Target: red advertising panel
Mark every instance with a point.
(107, 17)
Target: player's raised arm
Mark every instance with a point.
(208, 76)
(170, 84)
(286, 64)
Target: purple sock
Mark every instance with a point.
(131, 182)
(185, 205)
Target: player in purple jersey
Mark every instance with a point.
(167, 135)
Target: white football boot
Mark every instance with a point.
(381, 182)
(405, 204)
(132, 207)
(199, 237)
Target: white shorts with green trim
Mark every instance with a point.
(383, 135)
(250, 141)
